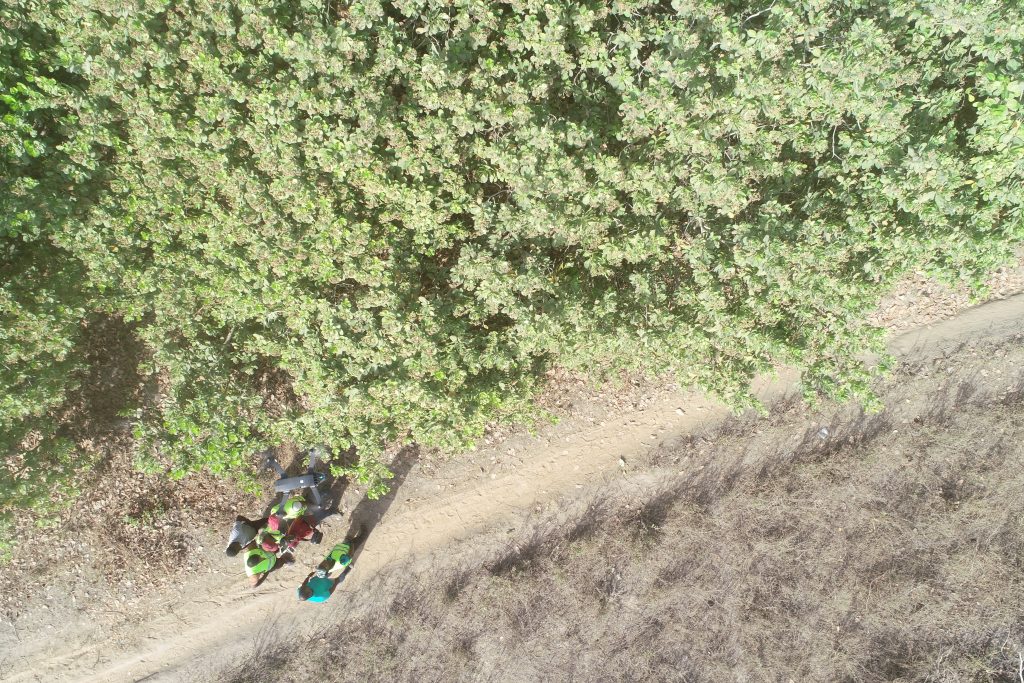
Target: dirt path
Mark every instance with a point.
(216, 617)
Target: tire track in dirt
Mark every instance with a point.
(184, 630)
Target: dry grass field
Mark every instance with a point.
(875, 548)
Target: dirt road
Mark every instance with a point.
(215, 618)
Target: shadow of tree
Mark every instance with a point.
(112, 382)
(369, 513)
(336, 492)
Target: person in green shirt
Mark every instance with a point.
(258, 563)
(320, 585)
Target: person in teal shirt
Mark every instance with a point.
(319, 585)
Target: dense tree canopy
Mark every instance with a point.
(369, 222)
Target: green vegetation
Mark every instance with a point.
(379, 222)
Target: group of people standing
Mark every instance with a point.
(268, 543)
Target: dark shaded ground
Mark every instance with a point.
(368, 513)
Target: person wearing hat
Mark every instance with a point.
(292, 508)
(271, 536)
(242, 533)
(319, 585)
(274, 537)
(258, 563)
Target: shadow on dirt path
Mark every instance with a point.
(339, 486)
(368, 513)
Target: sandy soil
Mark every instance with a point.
(210, 617)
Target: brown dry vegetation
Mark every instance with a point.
(882, 551)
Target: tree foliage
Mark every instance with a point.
(44, 299)
(380, 222)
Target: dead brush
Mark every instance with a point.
(643, 523)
